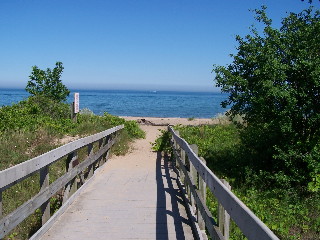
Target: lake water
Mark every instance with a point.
(138, 103)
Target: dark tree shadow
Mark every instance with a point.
(165, 186)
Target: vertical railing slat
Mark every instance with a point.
(91, 167)
(107, 141)
(176, 147)
(193, 174)
(101, 144)
(72, 161)
(203, 195)
(44, 182)
(1, 210)
(223, 216)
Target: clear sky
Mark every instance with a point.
(132, 44)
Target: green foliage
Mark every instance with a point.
(48, 83)
(274, 83)
(216, 143)
(131, 127)
(162, 143)
(41, 112)
(289, 212)
(33, 127)
(34, 113)
(134, 130)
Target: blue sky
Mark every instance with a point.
(145, 45)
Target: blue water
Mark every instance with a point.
(138, 103)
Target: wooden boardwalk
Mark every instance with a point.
(131, 197)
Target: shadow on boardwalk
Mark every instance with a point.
(166, 185)
(132, 197)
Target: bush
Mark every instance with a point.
(274, 83)
(34, 113)
(33, 127)
(48, 83)
(290, 213)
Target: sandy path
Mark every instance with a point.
(133, 197)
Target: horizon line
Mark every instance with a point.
(114, 89)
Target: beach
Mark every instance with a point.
(158, 121)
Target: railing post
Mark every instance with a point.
(223, 216)
(183, 160)
(101, 144)
(44, 182)
(203, 195)
(91, 166)
(1, 205)
(193, 174)
(72, 161)
(174, 164)
(108, 140)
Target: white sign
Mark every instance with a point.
(76, 102)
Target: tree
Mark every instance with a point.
(274, 82)
(48, 83)
(310, 1)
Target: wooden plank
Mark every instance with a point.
(203, 196)
(226, 227)
(1, 211)
(44, 183)
(223, 216)
(74, 162)
(71, 187)
(193, 174)
(183, 159)
(60, 211)
(203, 209)
(175, 146)
(251, 226)
(90, 168)
(17, 216)
(100, 161)
(17, 173)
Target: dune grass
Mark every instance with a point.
(33, 127)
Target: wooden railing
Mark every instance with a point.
(76, 170)
(194, 178)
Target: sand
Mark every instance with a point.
(172, 121)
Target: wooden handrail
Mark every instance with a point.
(15, 174)
(19, 172)
(250, 225)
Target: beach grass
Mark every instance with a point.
(27, 132)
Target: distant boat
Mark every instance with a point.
(154, 91)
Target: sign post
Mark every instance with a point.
(76, 102)
(75, 107)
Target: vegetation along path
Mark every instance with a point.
(133, 197)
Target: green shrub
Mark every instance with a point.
(273, 82)
(48, 83)
(162, 143)
(291, 213)
(33, 127)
